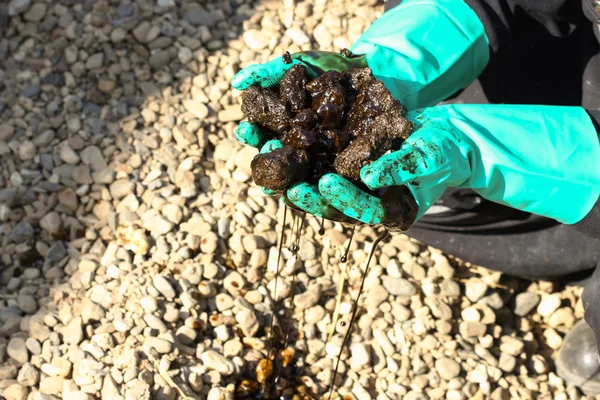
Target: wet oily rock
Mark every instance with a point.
(264, 107)
(278, 169)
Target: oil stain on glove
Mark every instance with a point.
(538, 159)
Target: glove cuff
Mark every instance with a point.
(425, 50)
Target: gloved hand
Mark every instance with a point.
(422, 50)
(540, 159)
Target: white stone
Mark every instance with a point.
(256, 40)
(548, 305)
(298, 36)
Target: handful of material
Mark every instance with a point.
(338, 122)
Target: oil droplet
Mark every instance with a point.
(345, 256)
(343, 323)
(287, 58)
(300, 225)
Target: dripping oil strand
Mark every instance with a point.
(354, 309)
(296, 228)
(289, 311)
(322, 227)
(271, 333)
(345, 256)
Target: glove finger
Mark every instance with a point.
(307, 197)
(406, 165)
(264, 75)
(250, 134)
(271, 145)
(350, 200)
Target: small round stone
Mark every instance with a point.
(447, 368)
(27, 151)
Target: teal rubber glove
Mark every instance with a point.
(425, 50)
(541, 159)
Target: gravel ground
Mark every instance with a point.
(138, 259)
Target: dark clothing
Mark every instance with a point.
(541, 52)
